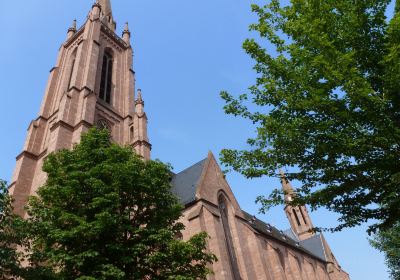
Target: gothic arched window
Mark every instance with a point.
(106, 77)
(222, 205)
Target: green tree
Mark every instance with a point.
(389, 242)
(104, 213)
(326, 103)
(10, 235)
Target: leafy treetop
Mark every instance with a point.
(105, 213)
(326, 103)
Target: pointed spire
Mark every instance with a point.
(126, 34)
(105, 7)
(74, 24)
(139, 98)
(140, 141)
(72, 29)
(286, 186)
(106, 13)
(139, 103)
(126, 29)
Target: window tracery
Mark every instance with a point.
(103, 124)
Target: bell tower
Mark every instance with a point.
(300, 220)
(92, 84)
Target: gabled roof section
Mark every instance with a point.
(184, 184)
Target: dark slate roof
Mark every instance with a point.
(315, 245)
(284, 237)
(289, 232)
(184, 184)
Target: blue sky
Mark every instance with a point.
(186, 52)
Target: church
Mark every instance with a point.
(93, 84)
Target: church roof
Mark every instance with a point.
(315, 245)
(184, 185)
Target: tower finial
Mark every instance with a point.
(126, 34)
(126, 29)
(139, 96)
(286, 186)
(72, 29)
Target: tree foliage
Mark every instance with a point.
(389, 242)
(326, 103)
(104, 213)
(10, 236)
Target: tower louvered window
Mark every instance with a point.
(297, 217)
(106, 78)
(302, 214)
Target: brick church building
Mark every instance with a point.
(93, 84)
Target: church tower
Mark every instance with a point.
(300, 220)
(92, 84)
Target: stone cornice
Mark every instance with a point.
(141, 142)
(71, 40)
(111, 34)
(70, 127)
(63, 124)
(31, 155)
(141, 115)
(27, 154)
